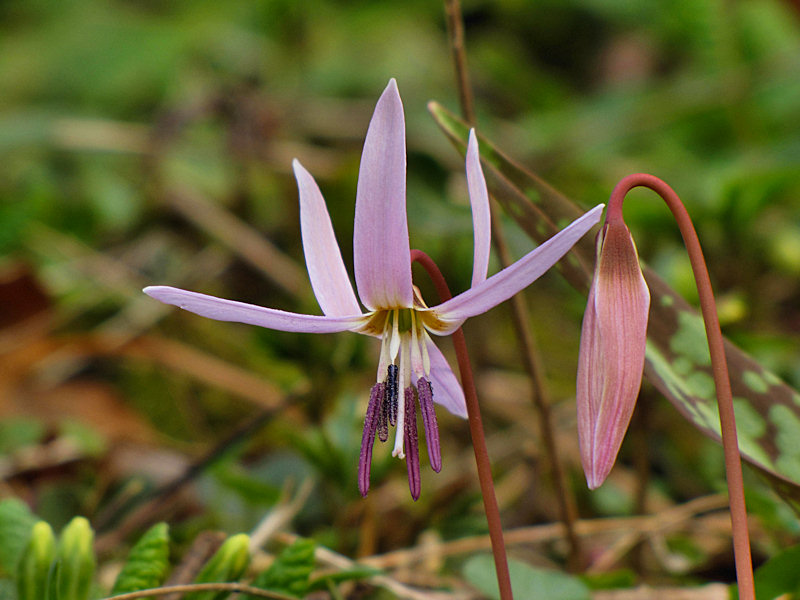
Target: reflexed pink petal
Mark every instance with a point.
(239, 312)
(481, 218)
(323, 257)
(380, 239)
(512, 279)
(446, 390)
(611, 359)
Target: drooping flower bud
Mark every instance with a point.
(612, 350)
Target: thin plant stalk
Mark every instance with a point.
(532, 363)
(522, 327)
(719, 367)
(455, 33)
(476, 432)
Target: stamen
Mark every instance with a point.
(391, 393)
(426, 359)
(403, 383)
(384, 360)
(383, 418)
(417, 366)
(368, 437)
(425, 394)
(394, 345)
(404, 377)
(412, 443)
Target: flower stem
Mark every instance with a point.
(519, 314)
(719, 367)
(476, 431)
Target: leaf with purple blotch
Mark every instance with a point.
(677, 361)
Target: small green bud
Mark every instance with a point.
(75, 561)
(34, 565)
(228, 564)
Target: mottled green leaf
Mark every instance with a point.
(677, 362)
(147, 562)
(290, 572)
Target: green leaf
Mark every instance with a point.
(531, 583)
(677, 359)
(778, 576)
(290, 572)
(147, 562)
(75, 562)
(16, 523)
(228, 564)
(611, 580)
(34, 566)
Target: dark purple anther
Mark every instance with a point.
(383, 417)
(392, 385)
(376, 398)
(425, 393)
(412, 444)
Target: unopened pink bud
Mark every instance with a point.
(612, 350)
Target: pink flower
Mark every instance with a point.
(410, 364)
(612, 349)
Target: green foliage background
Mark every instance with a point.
(113, 114)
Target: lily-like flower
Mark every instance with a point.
(410, 367)
(612, 349)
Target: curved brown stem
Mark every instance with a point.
(719, 366)
(476, 431)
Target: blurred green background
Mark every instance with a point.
(151, 142)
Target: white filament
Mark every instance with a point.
(395, 344)
(426, 359)
(402, 383)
